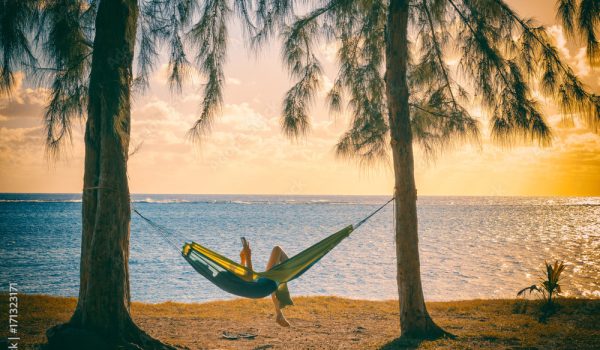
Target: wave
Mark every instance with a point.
(186, 201)
(584, 202)
(40, 200)
(242, 202)
(245, 202)
(249, 201)
(161, 201)
(284, 200)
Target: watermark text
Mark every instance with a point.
(13, 316)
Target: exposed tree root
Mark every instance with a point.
(70, 337)
(411, 339)
(431, 331)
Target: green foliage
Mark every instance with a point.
(61, 33)
(198, 29)
(582, 18)
(66, 44)
(15, 28)
(501, 58)
(358, 27)
(304, 66)
(549, 287)
(551, 283)
(437, 115)
(209, 36)
(189, 28)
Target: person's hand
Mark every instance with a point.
(246, 251)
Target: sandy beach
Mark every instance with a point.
(335, 323)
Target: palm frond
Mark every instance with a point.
(164, 22)
(16, 21)
(434, 129)
(361, 33)
(530, 289)
(270, 15)
(549, 287)
(67, 49)
(566, 14)
(498, 80)
(589, 21)
(558, 80)
(302, 63)
(209, 37)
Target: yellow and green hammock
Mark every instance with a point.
(237, 279)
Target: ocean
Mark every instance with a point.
(471, 247)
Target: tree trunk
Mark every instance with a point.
(102, 319)
(415, 321)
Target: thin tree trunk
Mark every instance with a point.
(104, 299)
(102, 316)
(415, 321)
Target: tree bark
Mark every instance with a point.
(102, 317)
(415, 321)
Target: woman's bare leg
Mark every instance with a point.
(246, 256)
(277, 256)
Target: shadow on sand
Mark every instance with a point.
(406, 343)
(402, 343)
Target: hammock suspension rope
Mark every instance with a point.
(237, 279)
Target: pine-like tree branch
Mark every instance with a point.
(439, 53)
(529, 30)
(478, 35)
(437, 114)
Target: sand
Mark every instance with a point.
(334, 323)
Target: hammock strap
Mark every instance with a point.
(373, 213)
(163, 230)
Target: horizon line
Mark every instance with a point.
(316, 195)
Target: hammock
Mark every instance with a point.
(239, 280)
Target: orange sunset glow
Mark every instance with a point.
(247, 154)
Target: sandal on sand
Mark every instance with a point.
(236, 336)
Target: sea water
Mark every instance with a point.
(470, 247)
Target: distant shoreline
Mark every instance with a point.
(319, 195)
(327, 322)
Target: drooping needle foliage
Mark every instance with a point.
(53, 40)
(65, 38)
(16, 24)
(463, 52)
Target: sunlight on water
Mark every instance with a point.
(471, 247)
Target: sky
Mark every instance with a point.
(246, 152)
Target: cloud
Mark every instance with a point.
(243, 118)
(578, 61)
(156, 109)
(20, 146)
(233, 81)
(24, 102)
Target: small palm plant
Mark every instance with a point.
(549, 287)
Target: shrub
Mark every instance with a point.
(549, 288)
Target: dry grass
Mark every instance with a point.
(335, 323)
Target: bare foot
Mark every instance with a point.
(282, 321)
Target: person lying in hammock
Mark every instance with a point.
(281, 297)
